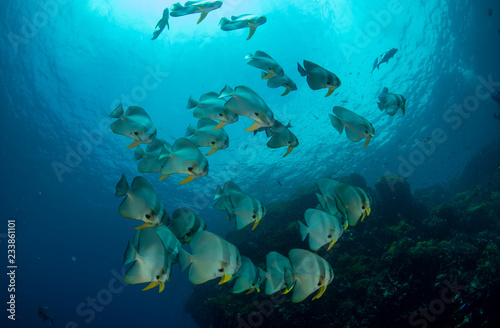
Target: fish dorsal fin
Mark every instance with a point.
(231, 186)
(149, 241)
(308, 65)
(262, 54)
(140, 183)
(313, 215)
(347, 115)
(385, 90)
(239, 16)
(244, 91)
(136, 111)
(201, 239)
(327, 186)
(182, 144)
(209, 95)
(206, 123)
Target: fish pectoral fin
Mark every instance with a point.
(252, 31)
(288, 289)
(290, 148)
(188, 179)
(251, 291)
(320, 293)
(163, 177)
(367, 141)
(225, 278)
(256, 223)
(133, 144)
(202, 17)
(253, 127)
(363, 217)
(213, 150)
(145, 225)
(287, 91)
(330, 91)
(368, 211)
(220, 125)
(268, 76)
(162, 286)
(153, 284)
(332, 243)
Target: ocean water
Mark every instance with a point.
(67, 64)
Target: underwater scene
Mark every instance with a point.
(250, 163)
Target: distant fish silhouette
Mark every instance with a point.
(384, 58)
(42, 314)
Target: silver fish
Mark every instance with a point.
(356, 126)
(242, 21)
(205, 135)
(185, 224)
(281, 136)
(135, 123)
(391, 102)
(283, 81)
(211, 106)
(276, 264)
(322, 228)
(160, 26)
(318, 77)
(249, 277)
(193, 7)
(265, 62)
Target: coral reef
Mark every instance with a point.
(405, 265)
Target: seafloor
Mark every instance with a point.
(427, 258)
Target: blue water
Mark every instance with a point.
(65, 66)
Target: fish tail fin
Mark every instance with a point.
(117, 112)
(184, 259)
(130, 254)
(122, 187)
(192, 103)
(156, 34)
(249, 56)
(223, 21)
(218, 193)
(303, 230)
(337, 124)
(226, 92)
(139, 153)
(190, 130)
(263, 74)
(176, 6)
(301, 69)
(165, 152)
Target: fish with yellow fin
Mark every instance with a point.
(205, 135)
(249, 277)
(211, 106)
(183, 158)
(276, 265)
(194, 7)
(242, 21)
(356, 126)
(246, 102)
(318, 77)
(135, 123)
(281, 81)
(185, 224)
(322, 228)
(212, 257)
(266, 63)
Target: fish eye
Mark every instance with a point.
(158, 277)
(288, 142)
(136, 133)
(221, 270)
(363, 207)
(148, 216)
(190, 169)
(256, 114)
(213, 142)
(221, 115)
(366, 131)
(254, 216)
(319, 283)
(330, 236)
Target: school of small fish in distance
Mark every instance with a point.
(157, 243)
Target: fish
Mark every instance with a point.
(384, 58)
(204, 135)
(391, 102)
(354, 203)
(276, 264)
(211, 106)
(193, 7)
(185, 224)
(266, 63)
(246, 102)
(318, 77)
(243, 208)
(135, 123)
(242, 21)
(141, 202)
(281, 81)
(183, 158)
(309, 273)
(170, 242)
(149, 159)
(356, 126)
(150, 261)
(249, 277)
(281, 136)
(211, 257)
(160, 26)
(42, 314)
(322, 228)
